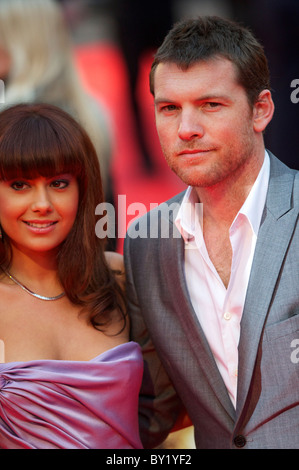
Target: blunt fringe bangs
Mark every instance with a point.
(32, 143)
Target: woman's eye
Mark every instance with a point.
(19, 185)
(59, 184)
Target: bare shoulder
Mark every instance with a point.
(115, 261)
(116, 264)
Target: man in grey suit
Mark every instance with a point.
(213, 274)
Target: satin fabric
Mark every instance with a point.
(48, 404)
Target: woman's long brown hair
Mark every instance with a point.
(41, 139)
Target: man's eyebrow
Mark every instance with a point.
(163, 100)
(212, 97)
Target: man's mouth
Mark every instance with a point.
(194, 151)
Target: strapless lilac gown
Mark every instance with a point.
(46, 404)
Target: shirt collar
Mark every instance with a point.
(189, 217)
(186, 220)
(254, 204)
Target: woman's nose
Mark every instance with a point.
(41, 201)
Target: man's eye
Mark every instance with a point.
(169, 108)
(212, 105)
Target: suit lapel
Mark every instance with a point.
(275, 232)
(172, 255)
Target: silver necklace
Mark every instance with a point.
(41, 297)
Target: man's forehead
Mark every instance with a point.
(213, 72)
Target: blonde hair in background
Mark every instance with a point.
(36, 37)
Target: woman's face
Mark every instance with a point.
(38, 214)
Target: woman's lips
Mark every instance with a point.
(44, 226)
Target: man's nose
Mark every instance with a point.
(190, 125)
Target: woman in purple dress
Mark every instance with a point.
(69, 376)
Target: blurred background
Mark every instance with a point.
(114, 45)
(92, 57)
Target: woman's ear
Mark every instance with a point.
(263, 110)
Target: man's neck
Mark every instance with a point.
(222, 201)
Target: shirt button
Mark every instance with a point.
(227, 316)
(240, 441)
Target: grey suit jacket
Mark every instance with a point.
(166, 326)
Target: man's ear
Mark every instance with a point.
(263, 110)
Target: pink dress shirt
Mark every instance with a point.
(219, 311)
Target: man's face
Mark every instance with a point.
(204, 121)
